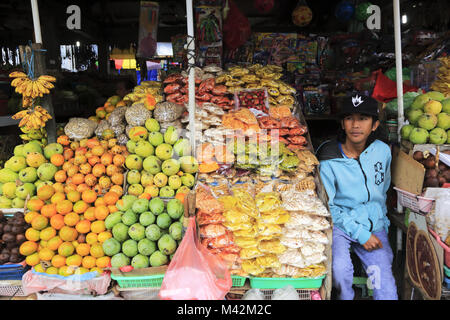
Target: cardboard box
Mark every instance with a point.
(407, 173)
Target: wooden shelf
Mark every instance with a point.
(6, 121)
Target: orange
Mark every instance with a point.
(68, 234)
(99, 202)
(35, 204)
(85, 168)
(83, 249)
(112, 169)
(91, 143)
(66, 249)
(90, 180)
(57, 221)
(58, 261)
(83, 226)
(45, 192)
(30, 215)
(106, 159)
(103, 236)
(88, 262)
(54, 243)
(46, 254)
(63, 140)
(73, 196)
(91, 238)
(97, 250)
(32, 234)
(64, 207)
(104, 182)
(111, 198)
(80, 207)
(57, 197)
(80, 151)
(39, 222)
(82, 187)
(117, 189)
(116, 150)
(180, 196)
(28, 247)
(145, 196)
(71, 219)
(47, 233)
(69, 185)
(80, 159)
(103, 262)
(33, 259)
(78, 178)
(117, 178)
(112, 209)
(73, 170)
(59, 187)
(57, 159)
(98, 226)
(101, 212)
(68, 154)
(74, 145)
(93, 160)
(104, 144)
(98, 190)
(49, 210)
(89, 196)
(98, 150)
(74, 260)
(119, 160)
(98, 170)
(89, 214)
(60, 176)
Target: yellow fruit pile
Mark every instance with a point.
(442, 84)
(67, 230)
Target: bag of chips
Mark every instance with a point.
(268, 261)
(271, 246)
(250, 253)
(252, 267)
(246, 242)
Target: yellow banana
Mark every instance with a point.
(17, 74)
(48, 78)
(19, 114)
(28, 89)
(21, 88)
(41, 88)
(17, 81)
(46, 84)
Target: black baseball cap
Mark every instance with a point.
(359, 103)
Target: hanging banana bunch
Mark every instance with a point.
(31, 88)
(34, 118)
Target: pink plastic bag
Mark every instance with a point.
(194, 273)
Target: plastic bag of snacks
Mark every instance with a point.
(80, 128)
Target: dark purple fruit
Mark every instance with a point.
(418, 155)
(442, 166)
(6, 250)
(7, 228)
(430, 162)
(8, 237)
(15, 250)
(20, 238)
(4, 257)
(431, 183)
(431, 173)
(12, 244)
(14, 258)
(20, 222)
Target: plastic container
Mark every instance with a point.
(447, 282)
(302, 294)
(276, 283)
(12, 271)
(447, 271)
(444, 246)
(416, 203)
(238, 281)
(151, 281)
(11, 288)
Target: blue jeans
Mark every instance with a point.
(377, 263)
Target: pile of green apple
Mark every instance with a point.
(159, 164)
(145, 233)
(26, 171)
(429, 119)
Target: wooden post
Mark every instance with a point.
(40, 69)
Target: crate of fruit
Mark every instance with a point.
(276, 283)
(139, 277)
(12, 235)
(414, 202)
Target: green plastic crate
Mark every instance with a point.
(153, 281)
(447, 271)
(238, 281)
(277, 283)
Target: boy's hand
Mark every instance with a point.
(373, 243)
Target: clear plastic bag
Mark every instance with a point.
(193, 261)
(80, 128)
(253, 294)
(286, 293)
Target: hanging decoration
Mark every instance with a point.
(361, 11)
(302, 14)
(209, 35)
(344, 11)
(263, 6)
(236, 28)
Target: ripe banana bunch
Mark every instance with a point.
(33, 134)
(32, 118)
(442, 83)
(32, 88)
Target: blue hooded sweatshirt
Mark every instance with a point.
(357, 188)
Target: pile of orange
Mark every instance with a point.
(67, 230)
(91, 164)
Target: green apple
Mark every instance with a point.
(171, 135)
(414, 115)
(9, 190)
(189, 164)
(164, 151)
(182, 147)
(46, 171)
(445, 107)
(16, 163)
(406, 131)
(144, 148)
(419, 102)
(135, 189)
(7, 175)
(52, 148)
(152, 125)
(166, 192)
(418, 136)
(131, 146)
(146, 179)
(133, 176)
(152, 164)
(170, 167)
(160, 179)
(28, 174)
(133, 161)
(188, 180)
(155, 138)
(443, 120)
(24, 190)
(126, 202)
(174, 182)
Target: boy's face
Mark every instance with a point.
(358, 127)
